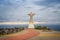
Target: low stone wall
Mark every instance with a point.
(4, 31)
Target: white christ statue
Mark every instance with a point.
(31, 25)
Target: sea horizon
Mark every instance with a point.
(55, 27)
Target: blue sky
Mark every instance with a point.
(17, 10)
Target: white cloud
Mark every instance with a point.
(19, 10)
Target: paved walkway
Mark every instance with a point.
(30, 33)
(53, 35)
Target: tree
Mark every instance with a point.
(38, 27)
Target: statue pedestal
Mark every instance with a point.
(31, 25)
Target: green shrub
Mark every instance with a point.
(44, 28)
(38, 27)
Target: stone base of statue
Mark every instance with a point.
(30, 25)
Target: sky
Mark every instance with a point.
(18, 10)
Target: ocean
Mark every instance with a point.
(53, 27)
